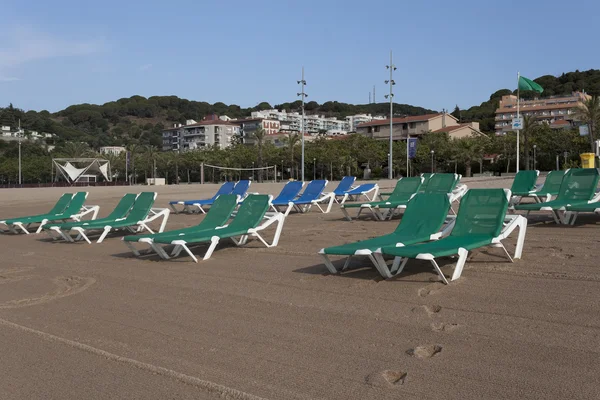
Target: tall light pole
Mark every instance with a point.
(303, 95)
(20, 135)
(432, 153)
(314, 169)
(534, 160)
(390, 96)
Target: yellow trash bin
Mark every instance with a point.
(587, 160)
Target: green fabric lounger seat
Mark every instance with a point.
(246, 223)
(425, 176)
(57, 231)
(578, 187)
(405, 189)
(69, 206)
(574, 211)
(421, 222)
(137, 219)
(481, 221)
(217, 216)
(550, 188)
(523, 185)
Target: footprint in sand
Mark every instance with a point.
(429, 310)
(388, 378)
(444, 327)
(430, 289)
(65, 286)
(426, 351)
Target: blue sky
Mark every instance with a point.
(57, 53)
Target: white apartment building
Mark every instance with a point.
(113, 150)
(556, 111)
(313, 124)
(354, 120)
(8, 134)
(198, 135)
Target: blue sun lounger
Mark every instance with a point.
(226, 188)
(290, 191)
(311, 196)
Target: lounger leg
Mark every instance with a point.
(187, 250)
(82, 235)
(104, 233)
(398, 265)
(39, 229)
(521, 238)
(20, 226)
(574, 217)
(460, 264)
(132, 248)
(381, 265)
(331, 200)
(346, 215)
(347, 263)
(159, 250)
(329, 264)
(176, 250)
(173, 208)
(213, 244)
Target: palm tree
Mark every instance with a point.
(75, 150)
(291, 141)
(259, 137)
(589, 113)
(467, 150)
(529, 127)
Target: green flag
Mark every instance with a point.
(528, 84)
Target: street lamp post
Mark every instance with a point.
(432, 153)
(314, 169)
(20, 135)
(390, 96)
(303, 96)
(282, 170)
(252, 170)
(534, 160)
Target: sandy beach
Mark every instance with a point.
(81, 321)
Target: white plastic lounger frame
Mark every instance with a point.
(388, 213)
(304, 208)
(154, 214)
(182, 245)
(562, 216)
(510, 223)
(365, 193)
(85, 210)
(377, 259)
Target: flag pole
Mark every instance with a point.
(518, 130)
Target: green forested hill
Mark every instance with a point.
(140, 120)
(588, 81)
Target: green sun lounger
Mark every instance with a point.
(573, 211)
(550, 188)
(69, 206)
(421, 222)
(523, 185)
(137, 219)
(405, 189)
(120, 211)
(218, 215)
(246, 223)
(425, 176)
(481, 221)
(578, 187)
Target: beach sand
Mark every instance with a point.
(81, 321)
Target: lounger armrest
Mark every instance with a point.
(156, 213)
(279, 218)
(449, 225)
(85, 210)
(512, 222)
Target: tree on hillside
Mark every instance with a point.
(468, 150)
(589, 113)
(73, 150)
(456, 113)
